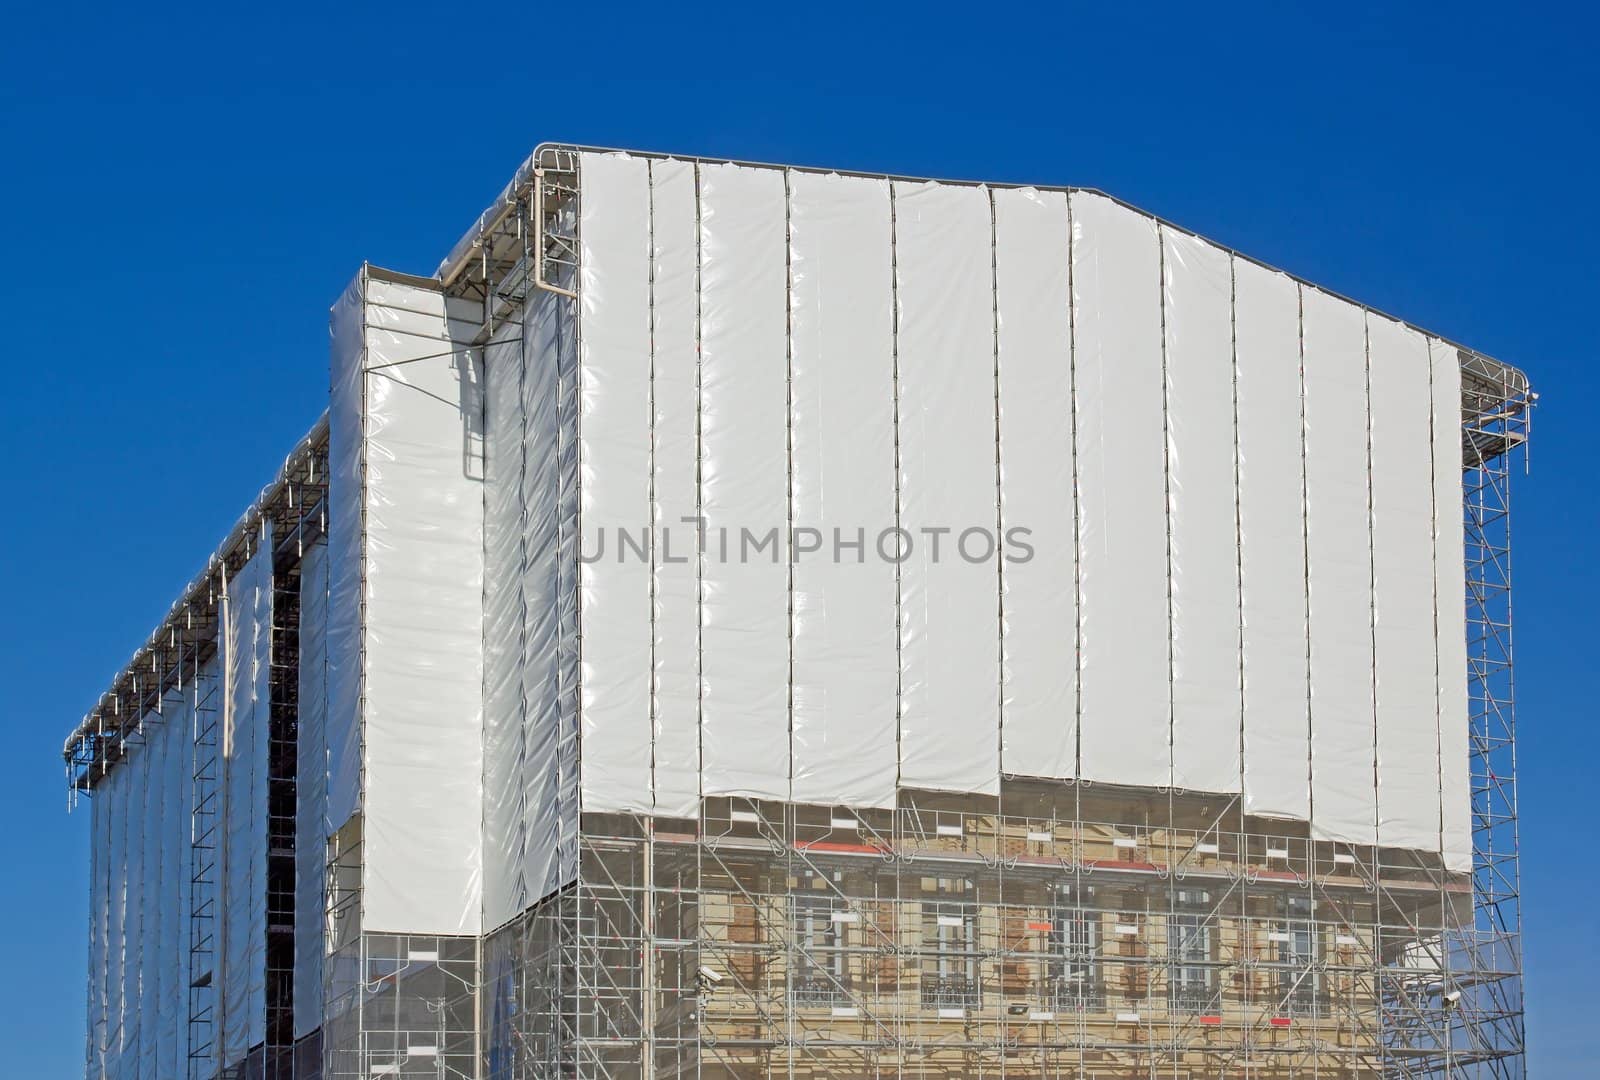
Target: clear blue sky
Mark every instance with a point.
(184, 192)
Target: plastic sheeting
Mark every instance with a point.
(417, 458)
(1161, 624)
(172, 1050)
(1124, 734)
(504, 825)
(346, 554)
(614, 500)
(1339, 569)
(530, 789)
(114, 788)
(1450, 603)
(138, 918)
(1277, 732)
(133, 916)
(675, 400)
(152, 943)
(744, 489)
(1402, 576)
(311, 792)
(949, 611)
(1203, 550)
(841, 421)
(1033, 304)
(246, 647)
(99, 906)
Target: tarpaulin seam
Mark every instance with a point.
(699, 486)
(788, 445)
(894, 348)
(1238, 508)
(1077, 499)
(1305, 548)
(653, 702)
(1372, 574)
(999, 498)
(1167, 511)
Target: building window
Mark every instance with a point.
(821, 971)
(1295, 939)
(1194, 982)
(950, 949)
(1072, 970)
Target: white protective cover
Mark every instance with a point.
(151, 778)
(1402, 575)
(1033, 303)
(421, 643)
(138, 947)
(1125, 706)
(504, 824)
(744, 482)
(346, 550)
(675, 494)
(1450, 603)
(133, 926)
(155, 977)
(1154, 425)
(841, 422)
(246, 647)
(99, 913)
(1202, 514)
(178, 746)
(114, 789)
(530, 805)
(311, 792)
(1277, 732)
(949, 610)
(1339, 565)
(614, 466)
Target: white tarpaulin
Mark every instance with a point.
(675, 394)
(549, 586)
(99, 910)
(949, 602)
(1202, 514)
(614, 467)
(1277, 731)
(530, 794)
(346, 554)
(1402, 576)
(1033, 303)
(1450, 603)
(133, 918)
(1152, 438)
(420, 596)
(311, 792)
(1339, 569)
(247, 640)
(744, 482)
(1125, 702)
(505, 834)
(842, 431)
(152, 776)
(172, 1052)
(114, 789)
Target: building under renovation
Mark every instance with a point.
(741, 621)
